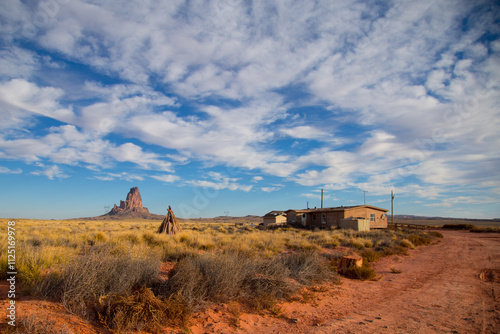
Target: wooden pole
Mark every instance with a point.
(392, 208)
(322, 198)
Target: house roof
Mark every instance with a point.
(339, 208)
(274, 213)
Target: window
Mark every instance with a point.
(314, 217)
(372, 217)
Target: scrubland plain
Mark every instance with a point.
(120, 276)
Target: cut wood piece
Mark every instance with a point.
(349, 261)
(170, 225)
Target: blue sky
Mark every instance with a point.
(249, 106)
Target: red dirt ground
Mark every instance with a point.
(449, 287)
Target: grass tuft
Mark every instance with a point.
(371, 255)
(396, 271)
(364, 273)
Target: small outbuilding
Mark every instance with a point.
(274, 218)
(356, 224)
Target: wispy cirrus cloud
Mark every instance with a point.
(5, 170)
(51, 172)
(219, 181)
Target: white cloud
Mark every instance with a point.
(120, 176)
(219, 181)
(132, 153)
(270, 189)
(317, 196)
(67, 145)
(461, 200)
(5, 170)
(28, 96)
(166, 178)
(305, 132)
(51, 172)
(17, 63)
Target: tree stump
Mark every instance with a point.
(349, 261)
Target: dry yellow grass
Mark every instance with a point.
(62, 240)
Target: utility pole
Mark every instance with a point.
(322, 198)
(392, 207)
(364, 196)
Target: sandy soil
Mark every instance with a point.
(442, 288)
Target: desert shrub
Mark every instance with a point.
(50, 286)
(222, 277)
(31, 265)
(435, 234)
(394, 250)
(356, 243)
(400, 250)
(37, 324)
(307, 267)
(363, 273)
(130, 237)
(196, 241)
(217, 277)
(381, 244)
(221, 229)
(98, 273)
(299, 243)
(370, 255)
(152, 239)
(177, 310)
(267, 285)
(100, 237)
(136, 310)
(489, 229)
(368, 243)
(406, 243)
(177, 251)
(458, 226)
(419, 239)
(35, 241)
(259, 242)
(324, 239)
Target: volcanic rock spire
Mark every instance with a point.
(132, 206)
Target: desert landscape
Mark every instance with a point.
(305, 166)
(120, 276)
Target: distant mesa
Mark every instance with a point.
(130, 208)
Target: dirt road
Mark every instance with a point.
(439, 290)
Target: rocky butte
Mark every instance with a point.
(131, 208)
